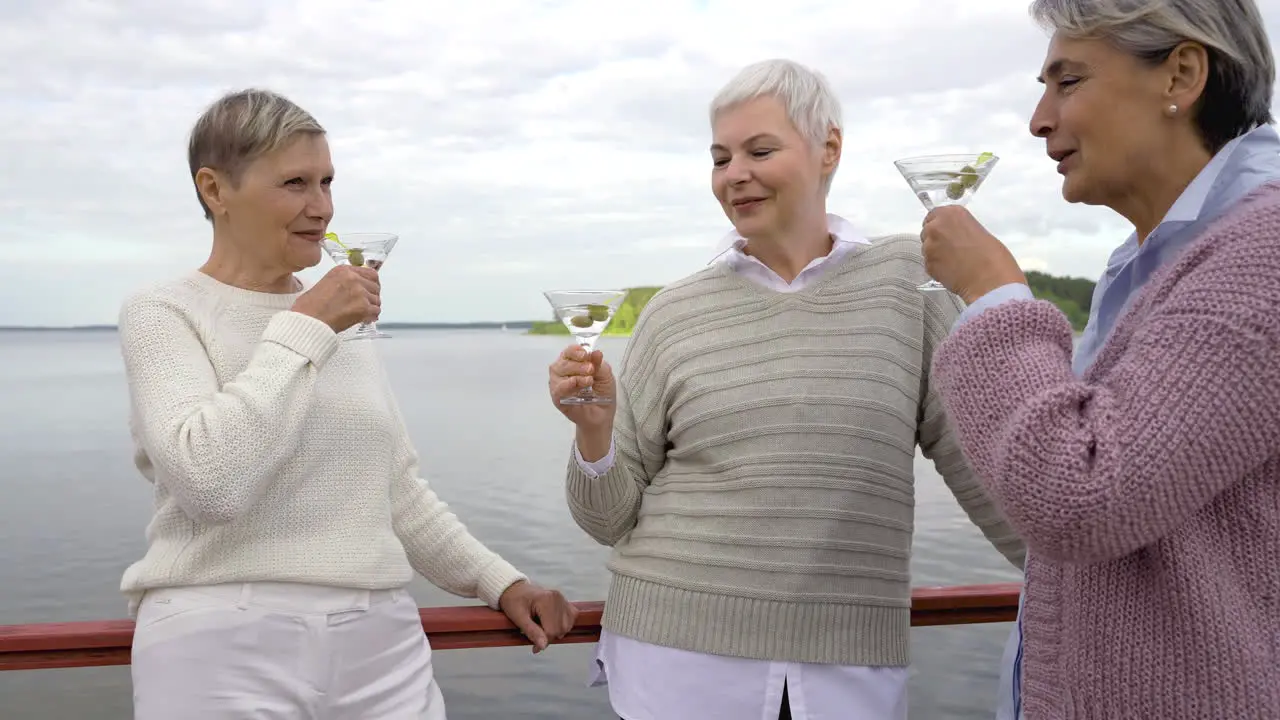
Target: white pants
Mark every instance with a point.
(281, 651)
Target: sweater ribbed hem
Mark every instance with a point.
(303, 334)
(836, 634)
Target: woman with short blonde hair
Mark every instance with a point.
(755, 476)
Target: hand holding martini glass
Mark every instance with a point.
(939, 180)
(362, 250)
(586, 313)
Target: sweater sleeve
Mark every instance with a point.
(938, 442)
(438, 545)
(1187, 404)
(217, 447)
(607, 506)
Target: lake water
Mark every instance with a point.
(73, 509)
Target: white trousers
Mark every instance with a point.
(281, 651)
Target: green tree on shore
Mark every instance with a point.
(1072, 295)
(624, 320)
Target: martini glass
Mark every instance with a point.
(939, 180)
(362, 250)
(586, 313)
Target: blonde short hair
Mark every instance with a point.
(240, 127)
(811, 104)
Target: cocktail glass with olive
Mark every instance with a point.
(939, 180)
(586, 313)
(362, 250)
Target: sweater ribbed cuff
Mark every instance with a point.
(598, 492)
(996, 336)
(303, 334)
(604, 506)
(495, 579)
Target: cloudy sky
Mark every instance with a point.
(515, 145)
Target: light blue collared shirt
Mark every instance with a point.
(1239, 168)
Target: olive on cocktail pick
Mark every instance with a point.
(582, 321)
(968, 176)
(955, 189)
(355, 257)
(598, 313)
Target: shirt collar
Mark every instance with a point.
(732, 245)
(1191, 203)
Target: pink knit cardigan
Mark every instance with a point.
(1148, 491)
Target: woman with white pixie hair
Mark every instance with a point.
(754, 476)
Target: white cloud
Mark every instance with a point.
(515, 145)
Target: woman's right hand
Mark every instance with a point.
(574, 370)
(346, 295)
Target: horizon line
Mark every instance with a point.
(381, 323)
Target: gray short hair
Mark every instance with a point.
(811, 104)
(240, 127)
(1242, 70)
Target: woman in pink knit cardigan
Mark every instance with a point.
(1144, 473)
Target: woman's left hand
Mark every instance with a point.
(543, 615)
(961, 254)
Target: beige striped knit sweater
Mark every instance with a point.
(761, 502)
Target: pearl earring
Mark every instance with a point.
(1172, 110)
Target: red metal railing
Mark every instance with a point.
(107, 642)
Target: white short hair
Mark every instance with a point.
(811, 104)
(242, 126)
(1242, 69)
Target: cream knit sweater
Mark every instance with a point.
(278, 453)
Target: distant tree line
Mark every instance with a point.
(624, 320)
(1074, 296)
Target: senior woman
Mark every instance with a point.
(1144, 472)
(289, 512)
(754, 476)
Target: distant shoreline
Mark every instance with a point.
(1071, 295)
(547, 332)
(526, 326)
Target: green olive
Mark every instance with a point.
(955, 190)
(355, 257)
(598, 313)
(582, 321)
(968, 176)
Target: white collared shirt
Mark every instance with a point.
(733, 251)
(652, 682)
